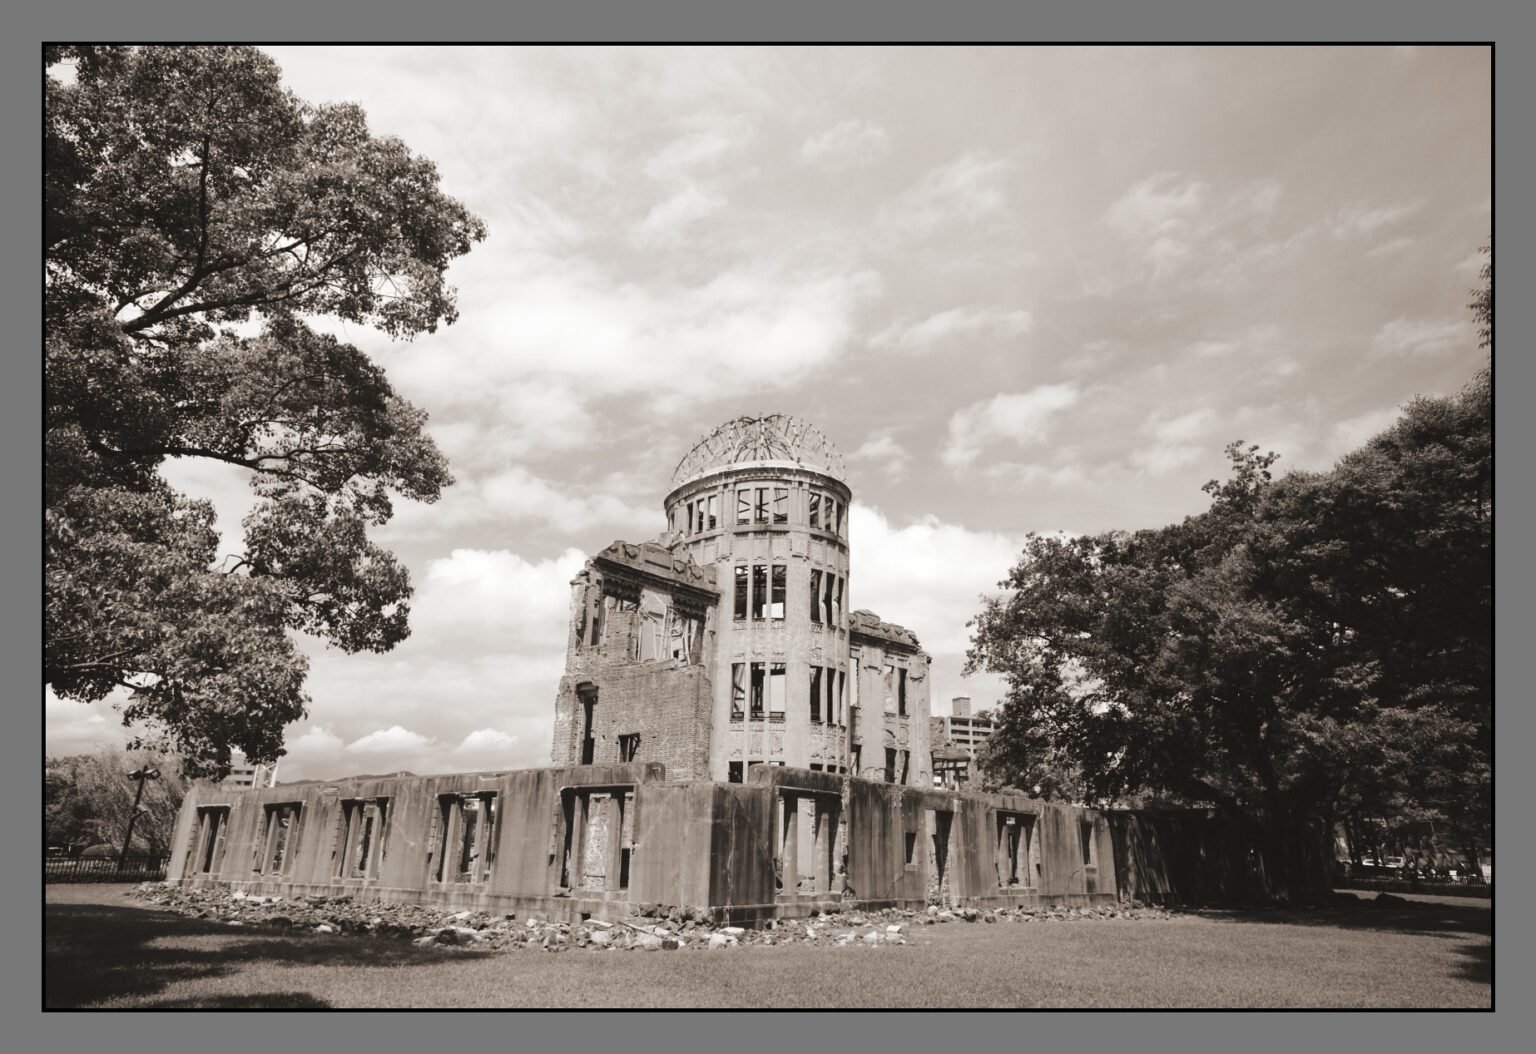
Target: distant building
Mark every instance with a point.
(957, 740)
(246, 774)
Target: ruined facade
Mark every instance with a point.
(729, 738)
(755, 560)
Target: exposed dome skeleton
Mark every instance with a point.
(767, 437)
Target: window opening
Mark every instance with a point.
(652, 630)
(901, 691)
(938, 825)
(759, 591)
(815, 510)
(776, 691)
(1014, 835)
(741, 592)
(588, 699)
(780, 585)
(738, 690)
(816, 597)
(468, 837)
(757, 691)
(816, 694)
(780, 505)
(598, 608)
(212, 823)
(278, 837)
(629, 746)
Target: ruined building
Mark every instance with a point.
(729, 738)
(728, 642)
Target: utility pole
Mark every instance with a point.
(139, 776)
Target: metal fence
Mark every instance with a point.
(1475, 890)
(137, 868)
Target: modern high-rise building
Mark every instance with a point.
(243, 773)
(731, 640)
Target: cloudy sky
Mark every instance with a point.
(1022, 290)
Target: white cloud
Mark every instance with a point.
(498, 599)
(1065, 472)
(1023, 417)
(80, 728)
(926, 575)
(666, 221)
(1173, 221)
(926, 334)
(1158, 207)
(1472, 263)
(390, 740)
(1166, 457)
(702, 149)
(1387, 248)
(1424, 336)
(964, 191)
(317, 749)
(847, 145)
(746, 328)
(517, 494)
(485, 739)
(1353, 432)
(1184, 427)
(1212, 349)
(1356, 221)
(883, 449)
(1172, 447)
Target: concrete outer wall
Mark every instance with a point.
(794, 640)
(527, 836)
(881, 815)
(701, 845)
(875, 728)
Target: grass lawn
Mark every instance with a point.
(106, 950)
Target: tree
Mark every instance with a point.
(89, 798)
(1305, 649)
(196, 213)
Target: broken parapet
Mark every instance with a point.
(640, 648)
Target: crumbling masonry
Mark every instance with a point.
(729, 737)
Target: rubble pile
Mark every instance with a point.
(654, 928)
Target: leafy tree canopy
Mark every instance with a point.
(1306, 648)
(196, 213)
(88, 798)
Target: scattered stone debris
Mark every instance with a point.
(656, 930)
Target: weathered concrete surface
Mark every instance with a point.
(789, 843)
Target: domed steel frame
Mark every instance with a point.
(764, 438)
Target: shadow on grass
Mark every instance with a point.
(95, 952)
(1478, 966)
(1388, 917)
(266, 1001)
